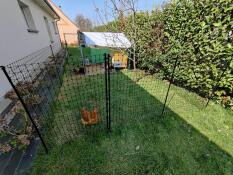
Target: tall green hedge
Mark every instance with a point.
(198, 33)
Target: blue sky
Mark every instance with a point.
(86, 7)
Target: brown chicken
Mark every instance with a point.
(89, 118)
(85, 116)
(94, 117)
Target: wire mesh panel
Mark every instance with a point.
(189, 103)
(63, 96)
(135, 96)
(138, 95)
(82, 94)
(74, 96)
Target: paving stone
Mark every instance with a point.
(4, 159)
(5, 139)
(28, 157)
(17, 123)
(4, 103)
(13, 163)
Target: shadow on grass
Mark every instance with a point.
(141, 142)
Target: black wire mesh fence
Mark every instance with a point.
(58, 92)
(69, 96)
(34, 86)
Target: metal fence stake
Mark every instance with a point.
(106, 89)
(52, 51)
(109, 96)
(25, 107)
(170, 83)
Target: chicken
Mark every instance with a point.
(94, 117)
(85, 116)
(89, 118)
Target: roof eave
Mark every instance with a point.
(57, 16)
(48, 8)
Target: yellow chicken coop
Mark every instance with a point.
(119, 60)
(117, 43)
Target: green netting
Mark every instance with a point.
(95, 52)
(96, 55)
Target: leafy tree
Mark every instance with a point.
(84, 24)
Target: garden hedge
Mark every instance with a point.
(196, 32)
(201, 33)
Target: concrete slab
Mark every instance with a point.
(28, 157)
(13, 163)
(4, 159)
(4, 103)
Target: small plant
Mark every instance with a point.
(52, 60)
(52, 70)
(5, 148)
(33, 100)
(11, 95)
(24, 139)
(24, 88)
(227, 102)
(78, 71)
(20, 138)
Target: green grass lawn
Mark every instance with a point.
(187, 139)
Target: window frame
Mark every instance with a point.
(28, 18)
(48, 28)
(55, 28)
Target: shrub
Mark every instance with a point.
(201, 33)
(196, 32)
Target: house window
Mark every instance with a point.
(28, 17)
(48, 29)
(55, 27)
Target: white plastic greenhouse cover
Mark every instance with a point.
(106, 39)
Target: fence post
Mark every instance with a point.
(66, 47)
(106, 89)
(52, 51)
(109, 95)
(130, 63)
(170, 83)
(25, 107)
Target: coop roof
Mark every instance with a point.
(106, 39)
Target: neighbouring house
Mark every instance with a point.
(27, 26)
(67, 28)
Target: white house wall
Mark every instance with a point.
(15, 41)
